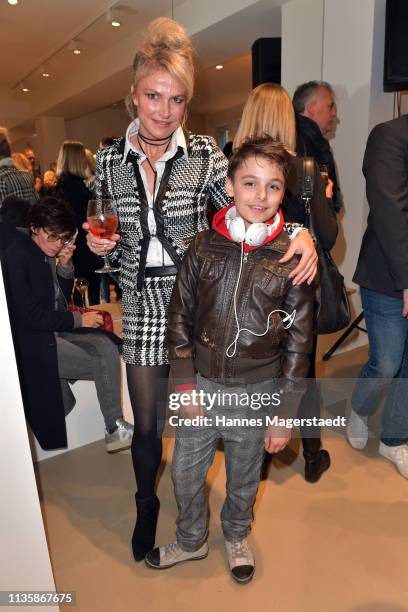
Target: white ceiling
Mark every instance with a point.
(33, 30)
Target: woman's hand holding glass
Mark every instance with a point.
(100, 246)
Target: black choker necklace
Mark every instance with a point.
(155, 142)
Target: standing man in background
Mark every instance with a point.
(316, 115)
(382, 273)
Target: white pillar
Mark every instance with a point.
(24, 560)
(302, 42)
(50, 136)
(351, 37)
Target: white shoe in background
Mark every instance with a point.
(398, 455)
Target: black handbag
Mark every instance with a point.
(332, 309)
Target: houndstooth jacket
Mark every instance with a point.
(180, 207)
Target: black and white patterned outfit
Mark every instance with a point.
(189, 179)
(14, 181)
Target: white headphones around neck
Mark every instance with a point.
(256, 233)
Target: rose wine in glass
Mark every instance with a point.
(102, 218)
(81, 285)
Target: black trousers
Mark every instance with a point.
(310, 407)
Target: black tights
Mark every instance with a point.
(310, 407)
(148, 391)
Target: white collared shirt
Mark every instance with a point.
(156, 254)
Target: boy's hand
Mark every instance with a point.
(276, 438)
(191, 410)
(306, 269)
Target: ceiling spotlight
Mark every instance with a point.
(13, 2)
(24, 87)
(110, 18)
(74, 47)
(44, 72)
(219, 67)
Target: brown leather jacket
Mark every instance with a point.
(202, 322)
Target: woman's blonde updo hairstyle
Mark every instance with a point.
(268, 111)
(166, 46)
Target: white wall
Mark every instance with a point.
(229, 117)
(90, 128)
(302, 42)
(24, 559)
(50, 136)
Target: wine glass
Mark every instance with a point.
(81, 285)
(102, 218)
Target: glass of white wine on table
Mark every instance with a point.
(102, 218)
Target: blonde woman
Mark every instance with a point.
(21, 162)
(90, 170)
(269, 111)
(71, 167)
(161, 178)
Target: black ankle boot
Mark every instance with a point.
(315, 464)
(145, 529)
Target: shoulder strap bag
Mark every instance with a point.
(332, 310)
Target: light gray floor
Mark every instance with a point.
(336, 546)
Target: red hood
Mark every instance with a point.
(219, 226)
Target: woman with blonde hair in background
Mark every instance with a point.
(21, 162)
(269, 111)
(90, 170)
(161, 179)
(71, 172)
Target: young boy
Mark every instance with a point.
(235, 318)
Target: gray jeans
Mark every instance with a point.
(193, 455)
(94, 357)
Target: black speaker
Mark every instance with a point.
(396, 46)
(266, 61)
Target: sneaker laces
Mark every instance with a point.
(239, 551)
(124, 425)
(171, 549)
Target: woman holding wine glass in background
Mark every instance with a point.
(71, 170)
(161, 179)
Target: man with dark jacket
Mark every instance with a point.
(382, 273)
(316, 112)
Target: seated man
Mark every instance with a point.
(53, 345)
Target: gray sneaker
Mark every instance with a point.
(357, 430)
(172, 554)
(241, 560)
(121, 438)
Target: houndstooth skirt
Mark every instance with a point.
(145, 322)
